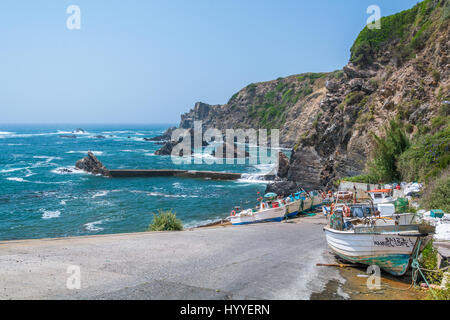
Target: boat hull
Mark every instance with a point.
(296, 208)
(270, 215)
(390, 251)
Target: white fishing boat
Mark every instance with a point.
(367, 210)
(372, 241)
(273, 209)
(390, 248)
(268, 211)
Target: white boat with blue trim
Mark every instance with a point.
(389, 246)
(271, 209)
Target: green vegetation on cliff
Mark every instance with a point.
(270, 109)
(405, 33)
(424, 158)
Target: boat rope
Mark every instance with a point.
(417, 269)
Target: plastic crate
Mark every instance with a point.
(437, 213)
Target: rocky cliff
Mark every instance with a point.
(399, 71)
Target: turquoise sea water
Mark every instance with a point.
(38, 199)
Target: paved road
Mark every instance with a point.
(265, 261)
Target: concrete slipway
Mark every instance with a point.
(264, 261)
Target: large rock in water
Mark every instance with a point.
(283, 165)
(166, 149)
(92, 165)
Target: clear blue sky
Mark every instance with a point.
(140, 61)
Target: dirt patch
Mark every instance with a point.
(354, 287)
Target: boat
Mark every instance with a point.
(271, 208)
(391, 247)
(343, 195)
(381, 196)
(367, 210)
(268, 211)
(301, 202)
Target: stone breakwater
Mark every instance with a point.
(175, 173)
(92, 165)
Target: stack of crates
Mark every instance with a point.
(401, 205)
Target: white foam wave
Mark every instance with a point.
(92, 226)
(46, 214)
(68, 170)
(17, 179)
(13, 170)
(97, 153)
(47, 159)
(100, 194)
(260, 176)
(159, 194)
(136, 150)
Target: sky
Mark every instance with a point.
(148, 62)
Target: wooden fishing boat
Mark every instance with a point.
(390, 248)
(367, 210)
(273, 209)
(268, 211)
(302, 202)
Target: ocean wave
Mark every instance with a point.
(13, 170)
(159, 194)
(135, 150)
(97, 153)
(100, 194)
(46, 214)
(92, 226)
(17, 179)
(68, 170)
(247, 179)
(47, 159)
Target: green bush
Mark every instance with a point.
(428, 261)
(427, 156)
(387, 150)
(364, 178)
(165, 221)
(439, 294)
(354, 98)
(436, 194)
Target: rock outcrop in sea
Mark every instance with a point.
(92, 165)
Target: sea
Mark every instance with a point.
(43, 195)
